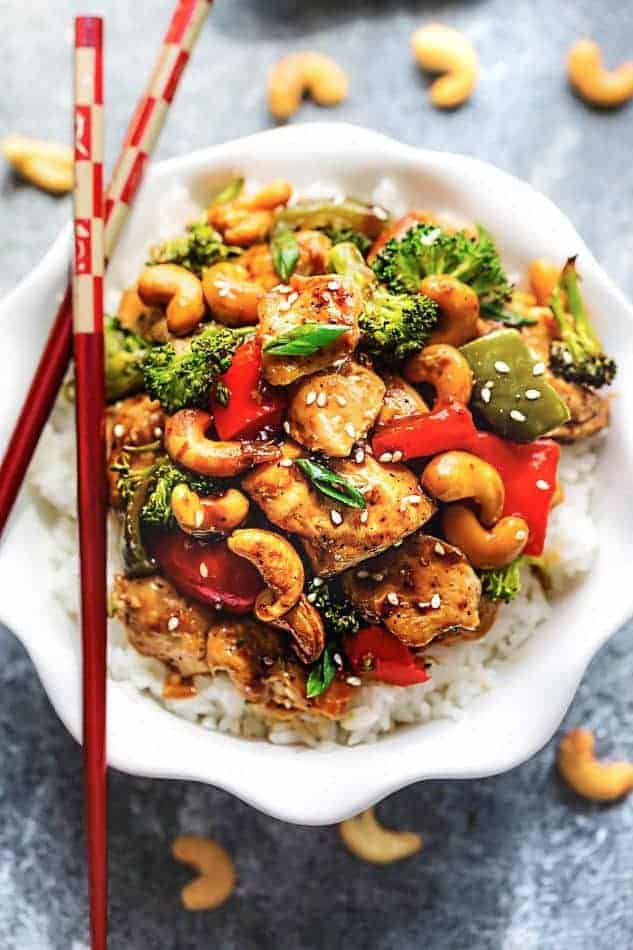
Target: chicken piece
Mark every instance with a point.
(488, 610)
(328, 299)
(589, 410)
(161, 623)
(135, 421)
(334, 536)
(260, 665)
(133, 314)
(314, 249)
(418, 591)
(246, 650)
(330, 411)
(400, 400)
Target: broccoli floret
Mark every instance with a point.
(160, 479)
(395, 325)
(339, 617)
(578, 357)
(200, 247)
(185, 379)
(502, 583)
(125, 353)
(349, 236)
(426, 249)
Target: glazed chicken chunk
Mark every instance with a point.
(418, 591)
(136, 421)
(330, 411)
(328, 299)
(161, 623)
(336, 537)
(400, 401)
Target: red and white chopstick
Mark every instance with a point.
(87, 298)
(139, 143)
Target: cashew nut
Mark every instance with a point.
(598, 781)
(217, 872)
(441, 49)
(179, 289)
(45, 164)
(305, 626)
(247, 219)
(544, 276)
(607, 88)
(279, 565)
(370, 841)
(232, 296)
(445, 368)
(215, 514)
(456, 475)
(148, 322)
(459, 309)
(186, 442)
(484, 547)
(314, 74)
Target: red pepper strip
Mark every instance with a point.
(375, 652)
(209, 573)
(528, 472)
(447, 427)
(253, 406)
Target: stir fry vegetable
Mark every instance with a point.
(502, 583)
(376, 654)
(335, 216)
(251, 406)
(125, 354)
(200, 247)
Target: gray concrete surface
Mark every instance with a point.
(510, 863)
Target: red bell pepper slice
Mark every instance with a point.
(376, 653)
(253, 406)
(528, 471)
(209, 573)
(447, 427)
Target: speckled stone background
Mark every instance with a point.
(510, 863)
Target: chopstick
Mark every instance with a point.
(139, 143)
(87, 305)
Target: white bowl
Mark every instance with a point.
(498, 730)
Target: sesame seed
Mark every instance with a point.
(198, 518)
(359, 457)
(173, 623)
(336, 517)
(542, 484)
(286, 427)
(282, 289)
(267, 660)
(423, 604)
(393, 598)
(521, 535)
(293, 296)
(532, 394)
(321, 400)
(118, 431)
(397, 456)
(439, 549)
(385, 457)
(338, 659)
(311, 598)
(317, 581)
(378, 577)
(286, 463)
(502, 367)
(350, 430)
(333, 285)
(538, 369)
(283, 306)
(362, 574)
(204, 570)
(158, 432)
(489, 383)
(517, 415)
(436, 601)
(486, 394)
(412, 499)
(311, 397)
(341, 400)
(354, 681)
(364, 516)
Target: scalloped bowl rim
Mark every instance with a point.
(499, 729)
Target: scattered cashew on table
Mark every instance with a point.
(587, 775)
(47, 165)
(442, 49)
(299, 74)
(370, 841)
(216, 880)
(607, 88)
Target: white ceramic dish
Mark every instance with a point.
(498, 730)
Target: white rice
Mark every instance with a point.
(459, 673)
